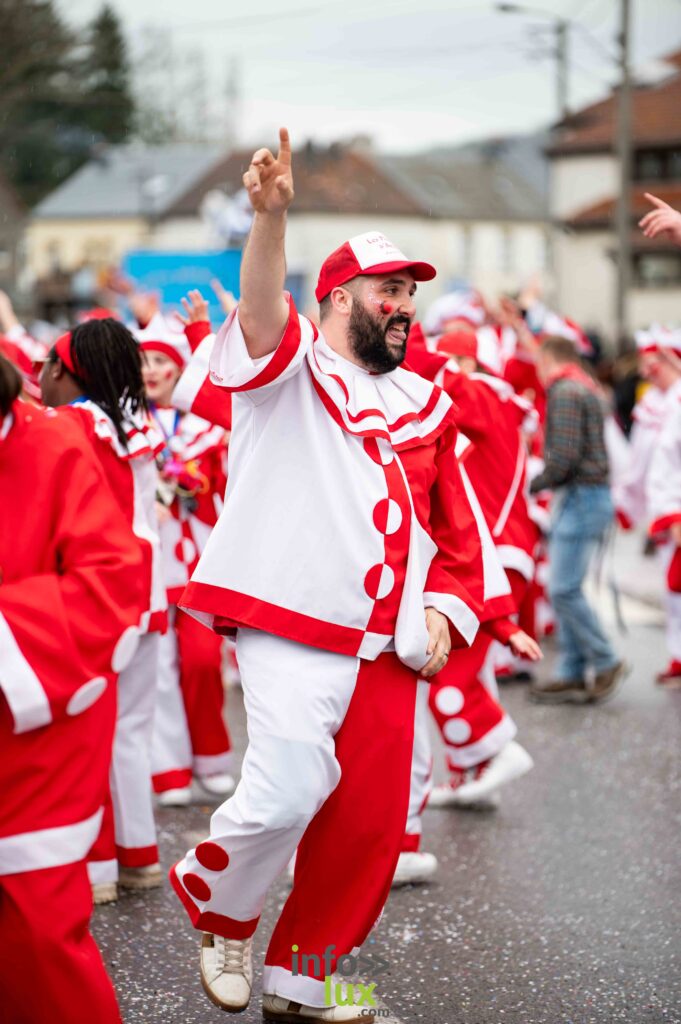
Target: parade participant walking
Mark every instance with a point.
(482, 754)
(95, 372)
(70, 601)
(663, 480)
(576, 470)
(664, 502)
(190, 736)
(347, 558)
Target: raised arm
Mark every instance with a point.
(263, 310)
(663, 220)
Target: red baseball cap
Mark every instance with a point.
(367, 254)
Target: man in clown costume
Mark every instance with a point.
(348, 561)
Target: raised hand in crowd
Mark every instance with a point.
(8, 319)
(195, 307)
(663, 220)
(143, 305)
(227, 301)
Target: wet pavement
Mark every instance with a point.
(561, 906)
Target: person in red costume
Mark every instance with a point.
(95, 374)
(70, 602)
(190, 735)
(482, 754)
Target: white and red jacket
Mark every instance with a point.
(132, 474)
(70, 601)
(345, 513)
(663, 484)
(194, 465)
(629, 489)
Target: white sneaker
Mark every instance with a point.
(446, 795)
(227, 971)
(220, 784)
(414, 867)
(176, 797)
(278, 1008)
(104, 892)
(150, 876)
(510, 763)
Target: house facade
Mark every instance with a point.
(478, 212)
(584, 184)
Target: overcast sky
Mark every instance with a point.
(409, 73)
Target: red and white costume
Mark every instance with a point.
(462, 699)
(189, 734)
(664, 509)
(129, 837)
(70, 602)
(344, 517)
(638, 497)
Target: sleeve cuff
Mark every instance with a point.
(663, 523)
(501, 629)
(23, 690)
(464, 621)
(232, 367)
(196, 332)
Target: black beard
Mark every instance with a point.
(369, 343)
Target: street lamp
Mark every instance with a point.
(560, 29)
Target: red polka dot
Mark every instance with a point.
(387, 516)
(379, 581)
(196, 886)
(212, 856)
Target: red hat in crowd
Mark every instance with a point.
(480, 345)
(459, 343)
(363, 255)
(97, 313)
(657, 337)
(159, 336)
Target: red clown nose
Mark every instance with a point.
(386, 308)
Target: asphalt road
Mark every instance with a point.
(561, 906)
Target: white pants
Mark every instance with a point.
(171, 746)
(131, 839)
(309, 711)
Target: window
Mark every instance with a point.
(657, 164)
(657, 269)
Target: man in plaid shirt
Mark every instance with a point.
(576, 469)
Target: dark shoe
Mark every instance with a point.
(560, 691)
(521, 675)
(607, 682)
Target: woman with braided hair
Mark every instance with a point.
(95, 372)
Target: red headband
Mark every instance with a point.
(63, 349)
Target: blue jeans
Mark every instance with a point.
(580, 518)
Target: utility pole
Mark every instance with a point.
(623, 211)
(561, 29)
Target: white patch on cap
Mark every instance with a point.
(373, 248)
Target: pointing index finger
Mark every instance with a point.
(660, 203)
(284, 156)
